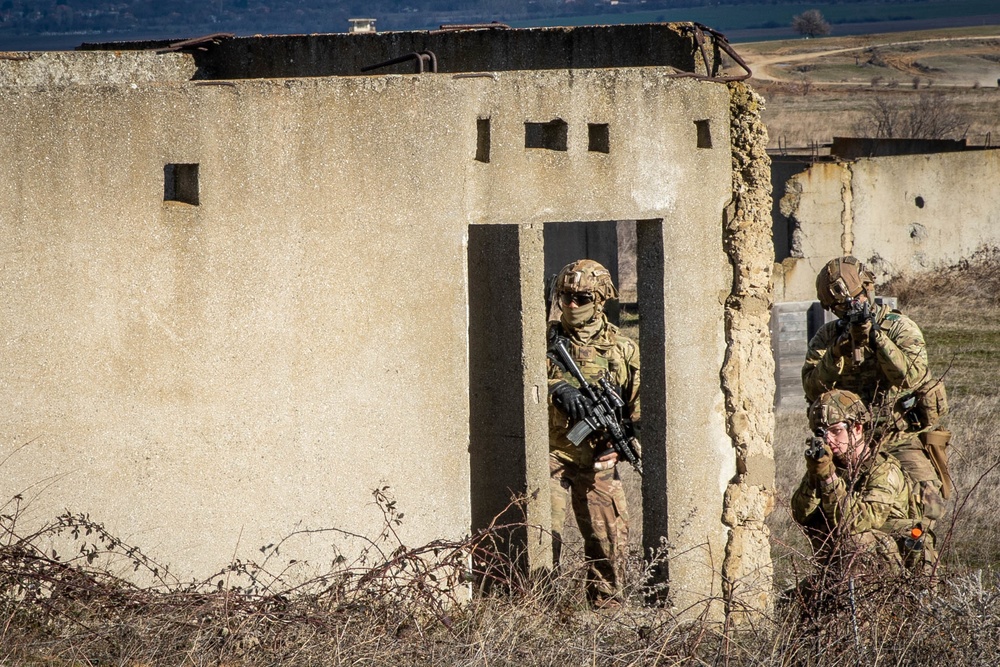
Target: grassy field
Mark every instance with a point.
(817, 89)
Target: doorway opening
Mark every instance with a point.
(613, 244)
(510, 267)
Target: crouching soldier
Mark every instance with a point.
(880, 355)
(854, 500)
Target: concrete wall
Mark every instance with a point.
(209, 378)
(748, 372)
(900, 214)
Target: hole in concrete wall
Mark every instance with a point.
(919, 201)
(785, 229)
(551, 135)
(704, 133)
(483, 139)
(918, 232)
(180, 183)
(598, 138)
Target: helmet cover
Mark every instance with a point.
(837, 406)
(843, 279)
(586, 275)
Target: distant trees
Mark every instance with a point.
(931, 116)
(810, 23)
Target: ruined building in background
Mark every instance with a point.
(248, 280)
(902, 206)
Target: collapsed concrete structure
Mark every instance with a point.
(900, 213)
(246, 281)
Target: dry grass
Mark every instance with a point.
(402, 606)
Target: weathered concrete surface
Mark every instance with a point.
(209, 378)
(748, 373)
(900, 214)
(58, 68)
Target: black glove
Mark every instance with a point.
(570, 400)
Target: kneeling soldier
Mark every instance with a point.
(854, 497)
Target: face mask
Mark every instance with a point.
(577, 317)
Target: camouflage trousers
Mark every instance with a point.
(598, 501)
(848, 553)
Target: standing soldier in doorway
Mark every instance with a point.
(879, 354)
(584, 475)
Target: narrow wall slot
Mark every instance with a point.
(598, 138)
(483, 139)
(704, 133)
(180, 183)
(551, 135)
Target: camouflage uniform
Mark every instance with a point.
(893, 368)
(896, 366)
(872, 512)
(596, 496)
(864, 503)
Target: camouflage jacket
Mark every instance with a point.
(896, 366)
(878, 499)
(604, 353)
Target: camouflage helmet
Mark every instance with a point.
(585, 275)
(842, 279)
(837, 406)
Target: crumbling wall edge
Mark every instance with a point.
(747, 376)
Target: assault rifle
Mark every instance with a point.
(816, 448)
(858, 312)
(605, 409)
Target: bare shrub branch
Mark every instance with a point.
(930, 116)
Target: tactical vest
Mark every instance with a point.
(602, 358)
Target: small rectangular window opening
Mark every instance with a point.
(598, 138)
(483, 139)
(704, 133)
(180, 183)
(551, 135)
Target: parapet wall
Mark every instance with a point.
(453, 51)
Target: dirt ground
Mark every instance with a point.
(816, 89)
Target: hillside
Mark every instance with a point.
(816, 89)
